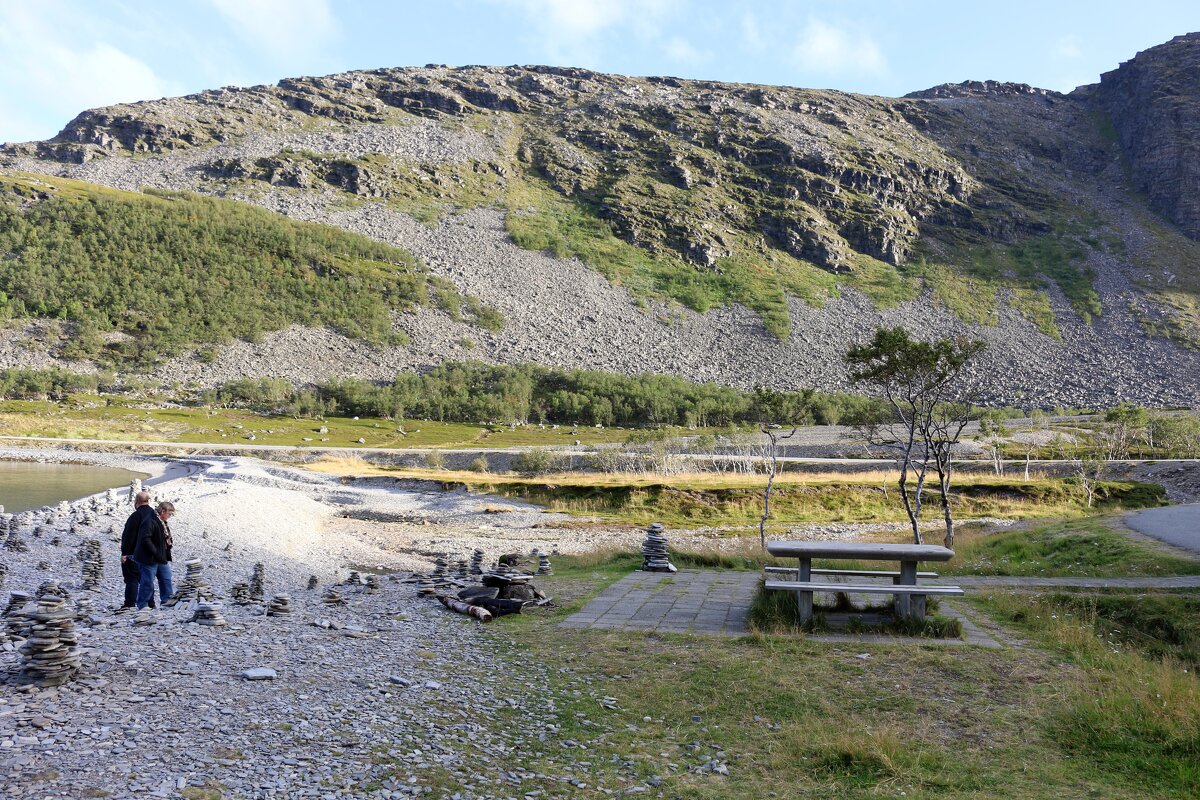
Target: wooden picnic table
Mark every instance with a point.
(909, 599)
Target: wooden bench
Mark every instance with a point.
(806, 589)
(910, 599)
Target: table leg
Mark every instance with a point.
(805, 599)
(908, 577)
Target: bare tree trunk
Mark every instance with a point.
(773, 454)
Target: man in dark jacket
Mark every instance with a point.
(129, 567)
(153, 555)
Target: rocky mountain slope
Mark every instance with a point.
(743, 234)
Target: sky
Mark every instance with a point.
(60, 57)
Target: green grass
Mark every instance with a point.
(1083, 548)
(174, 270)
(1131, 709)
(806, 719)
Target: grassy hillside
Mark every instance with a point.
(171, 271)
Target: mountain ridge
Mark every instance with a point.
(985, 206)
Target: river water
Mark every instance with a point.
(26, 484)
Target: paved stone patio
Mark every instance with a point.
(688, 601)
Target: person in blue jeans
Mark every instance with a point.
(153, 555)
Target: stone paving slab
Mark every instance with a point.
(688, 601)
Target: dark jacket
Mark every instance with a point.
(152, 545)
(129, 536)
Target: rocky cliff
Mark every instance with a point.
(711, 229)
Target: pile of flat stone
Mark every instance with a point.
(3, 572)
(280, 605)
(193, 586)
(257, 580)
(654, 551)
(441, 566)
(15, 618)
(240, 593)
(143, 618)
(372, 583)
(544, 567)
(333, 597)
(477, 562)
(12, 536)
(208, 613)
(312, 582)
(50, 654)
(93, 564)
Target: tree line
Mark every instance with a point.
(173, 271)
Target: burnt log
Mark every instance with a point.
(454, 604)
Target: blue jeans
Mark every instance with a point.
(147, 574)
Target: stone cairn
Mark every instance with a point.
(208, 613)
(93, 564)
(441, 566)
(544, 567)
(654, 551)
(3, 572)
(477, 562)
(193, 586)
(280, 605)
(257, 579)
(425, 585)
(240, 593)
(15, 617)
(372, 583)
(312, 582)
(333, 597)
(50, 655)
(460, 569)
(12, 537)
(355, 579)
(43, 565)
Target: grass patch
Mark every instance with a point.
(777, 612)
(1132, 710)
(1082, 548)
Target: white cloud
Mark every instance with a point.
(830, 50)
(280, 26)
(752, 35)
(572, 32)
(1068, 47)
(46, 79)
(681, 50)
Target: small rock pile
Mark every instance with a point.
(240, 592)
(257, 580)
(12, 538)
(654, 551)
(93, 564)
(143, 618)
(372, 583)
(477, 562)
(208, 613)
(333, 597)
(50, 654)
(544, 567)
(312, 582)
(280, 605)
(193, 586)
(16, 620)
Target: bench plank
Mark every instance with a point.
(862, 573)
(860, 550)
(864, 588)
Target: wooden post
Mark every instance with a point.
(908, 577)
(805, 599)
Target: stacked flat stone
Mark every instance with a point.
(3, 572)
(654, 551)
(208, 613)
(425, 585)
(240, 593)
(544, 567)
(477, 562)
(355, 579)
(257, 580)
(13, 540)
(312, 581)
(440, 566)
(372, 583)
(43, 565)
(93, 564)
(280, 605)
(50, 654)
(15, 617)
(333, 597)
(52, 589)
(193, 586)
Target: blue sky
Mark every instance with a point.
(58, 57)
